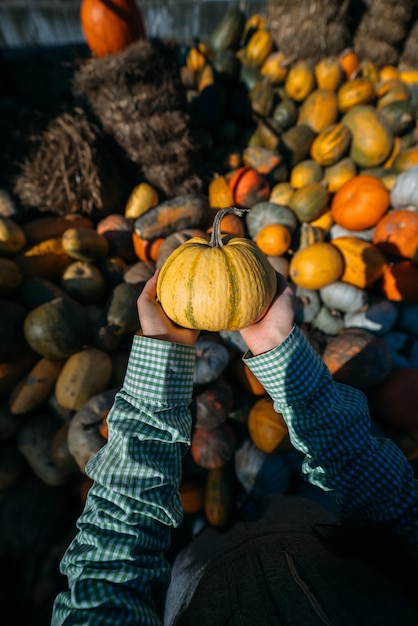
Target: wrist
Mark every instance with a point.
(267, 341)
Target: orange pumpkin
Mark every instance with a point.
(360, 203)
(267, 428)
(146, 249)
(364, 263)
(110, 26)
(248, 186)
(273, 239)
(397, 234)
(350, 63)
(231, 225)
(400, 282)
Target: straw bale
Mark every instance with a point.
(139, 99)
(70, 168)
(379, 52)
(382, 29)
(408, 59)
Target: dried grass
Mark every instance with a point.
(408, 59)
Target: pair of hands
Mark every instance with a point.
(260, 337)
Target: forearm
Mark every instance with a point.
(370, 479)
(116, 562)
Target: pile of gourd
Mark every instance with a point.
(325, 157)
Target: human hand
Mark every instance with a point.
(276, 324)
(155, 323)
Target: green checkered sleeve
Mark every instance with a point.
(369, 478)
(115, 565)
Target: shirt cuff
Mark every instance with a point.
(291, 372)
(160, 371)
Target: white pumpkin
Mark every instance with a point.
(328, 321)
(378, 318)
(405, 190)
(308, 304)
(343, 297)
(338, 231)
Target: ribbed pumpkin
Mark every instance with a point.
(224, 284)
(372, 137)
(319, 109)
(397, 234)
(360, 203)
(110, 27)
(316, 265)
(364, 263)
(331, 144)
(355, 92)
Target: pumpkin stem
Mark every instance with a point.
(216, 237)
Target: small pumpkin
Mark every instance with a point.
(212, 448)
(350, 63)
(224, 284)
(364, 263)
(372, 136)
(309, 201)
(300, 80)
(219, 193)
(328, 73)
(214, 404)
(358, 358)
(264, 213)
(316, 265)
(354, 92)
(110, 27)
(84, 281)
(146, 249)
(305, 172)
(336, 175)
(258, 47)
(400, 281)
(267, 427)
(248, 186)
(274, 239)
(275, 67)
(143, 197)
(85, 244)
(406, 159)
(360, 203)
(343, 297)
(396, 234)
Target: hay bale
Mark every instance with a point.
(309, 28)
(139, 99)
(386, 22)
(71, 169)
(408, 59)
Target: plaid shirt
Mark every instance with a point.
(115, 565)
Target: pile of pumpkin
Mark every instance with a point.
(324, 158)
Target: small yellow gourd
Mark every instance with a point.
(226, 283)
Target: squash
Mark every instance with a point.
(305, 172)
(266, 161)
(56, 329)
(192, 494)
(224, 284)
(121, 309)
(219, 500)
(328, 73)
(295, 144)
(285, 113)
(33, 390)
(213, 448)
(231, 225)
(406, 159)
(300, 80)
(267, 427)
(84, 281)
(396, 234)
(280, 194)
(52, 227)
(379, 317)
(12, 236)
(214, 404)
(331, 144)
(372, 136)
(336, 175)
(364, 263)
(219, 193)
(401, 116)
(85, 244)
(248, 187)
(319, 109)
(110, 27)
(258, 48)
(360, 203)
(85, 374)
(275, 67)
(267, 212)
(228, 31)
(47, 259)
(350, 63)
(273, 239)
(117, 230)
(391, 401)
(261, 96)
(357, 358)
(400, 282)
(146, 249)
(310, 201)
(343, 297)
(143, 197)
(316, 265)
(391, 91)
(355, 92)
(138, 272)
(178, 213)
(11, 276)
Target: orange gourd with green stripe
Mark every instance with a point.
(226, 283)
(331, 144)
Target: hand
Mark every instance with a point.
(155, 323)
(276, 324)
